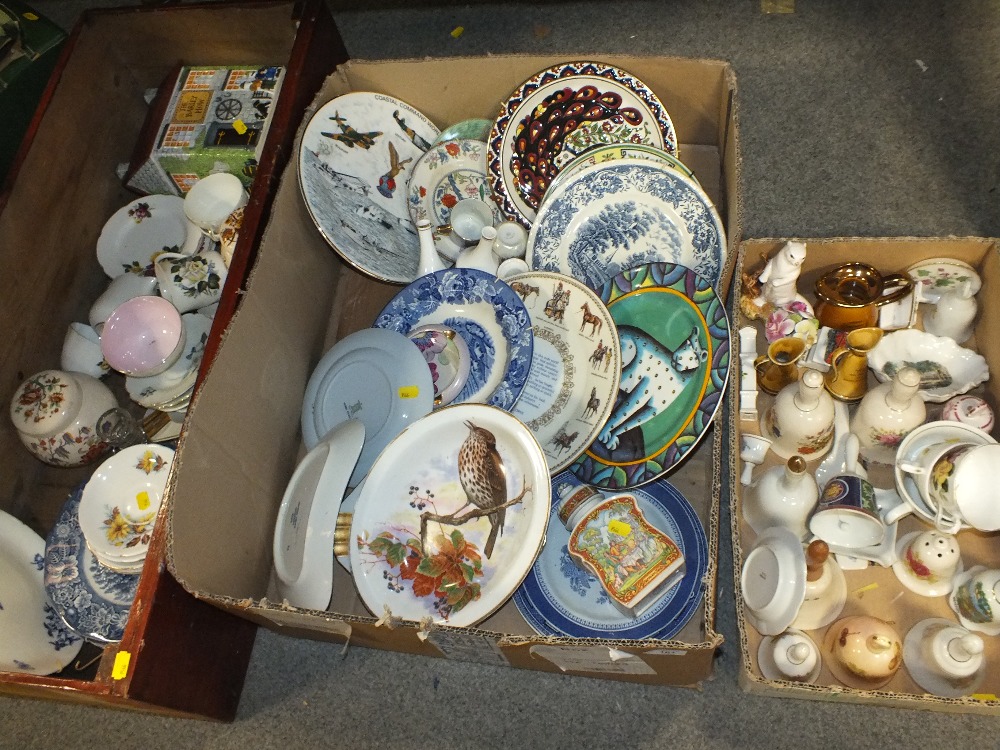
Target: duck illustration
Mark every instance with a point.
(387, 182)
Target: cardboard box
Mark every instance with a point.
(875, 590)
(243, 437)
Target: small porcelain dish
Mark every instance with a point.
(946, 369)
(488, 315)
(447, 357)
(143, 336)
(307, 517)
(937, 276)
(173, 385)
(424, 542)
(376, 376)
(32, 637)
(139, 231)
(773, 580)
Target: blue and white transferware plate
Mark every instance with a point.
(376, 376)
(32, 637)
(451, 517)
(614, 152)
(575, 365)
(355, 159)
(488, 315)
(674, 338)
(624, 213)
(92, 599)
(558, 114)
(559, 598)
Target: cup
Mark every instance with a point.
(121, 289)
(511, 268)
(143, 336)
(753, 450)
(190, 282)
(511, 241)
(956, 480)
(850, 295)
(847, 514)
(81, 351)
(212, 199)
(469, 217)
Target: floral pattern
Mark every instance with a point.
(41, 397)
(125, 532)
(794, 319)
(69, 448)
(196, 275)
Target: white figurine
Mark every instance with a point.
(779, 276)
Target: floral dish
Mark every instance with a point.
(946, 369)
(936, 276)
(174, 383)
(136, 233)
(451, 518)
(32, 637)
(447, 357)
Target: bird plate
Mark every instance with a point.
(423, 546)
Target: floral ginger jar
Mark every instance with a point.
(56, 414)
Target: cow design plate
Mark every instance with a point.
(674, 338)
(355, 159)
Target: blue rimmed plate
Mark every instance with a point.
(559, 598)
(92, 599)
(624, 213)
(674, 337)
(488, 315)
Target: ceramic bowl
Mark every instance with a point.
(143, 336)
(120, 289)
(773, 580)
(946, 369)
(81, 351)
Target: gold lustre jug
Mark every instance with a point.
(847, 379)
(779, 366)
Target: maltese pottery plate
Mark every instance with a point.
(575, 365)
(355, 160)
(491, 319)
(451, 517)
(675, 361)
(560, 598)
(32, 637)
(623, 213)
(560, 113)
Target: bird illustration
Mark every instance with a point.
(351, 137)
(387, 182)
(484, 478)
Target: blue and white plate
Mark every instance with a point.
(624, 213)
(92, 599)
(32, 637)
(488, 315)
(559, 598)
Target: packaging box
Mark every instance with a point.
(874, 590)
(243, 437)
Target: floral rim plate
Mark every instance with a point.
(946, 369)
(559, 598)
(355, 159)
(673, 330)
(617, 151)
(376, 376)
(136, 233)
(444, 175)
(422, 547)
(939, 275)
(559, 113)
(575, 365)
(92, 599)
(488, 315)
(32, 637)
(120, 501)
(620, 214)
(173, 384)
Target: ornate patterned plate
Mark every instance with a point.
(559, 598)
(939, 275)
(614, 152)
(355, 158)
(486, 313)
(621, 214)
(135, 234)
(558, 114)
(575, 365)
(422, 543)
(444, 175)
(674, 333)
(91, 598)
(32, 637)
(165, 389)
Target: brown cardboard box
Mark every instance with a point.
(243, 439)
(875, 590)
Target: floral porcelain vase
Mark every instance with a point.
(887, 413)
(800, 421)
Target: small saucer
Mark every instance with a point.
(936, 276)
(141, 230)
(166, 388)
(773, 580)
(769, 668)
(447, 357)
(932, 586)
(931, 681)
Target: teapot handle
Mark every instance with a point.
(900, 280)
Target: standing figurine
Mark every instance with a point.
(774, 286)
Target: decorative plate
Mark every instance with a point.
(558, 114)
(120, 501)
(444, 175)
(376, 376)
(423, 545)
(575, 365)
(559, 598)
(355, 159)
(135, 234)
(946, 369)
(174, 383)
(936, 276)
(673, 330)
(621, 214)
(616, 151)
(32, 637)
(92, 599)
(476, 129)
(488, 315)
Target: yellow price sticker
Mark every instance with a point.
(619, 527)
(142, 499)
(409, 391)
(457, 32)
(240, 127)
(30, 16)
(120, 668)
